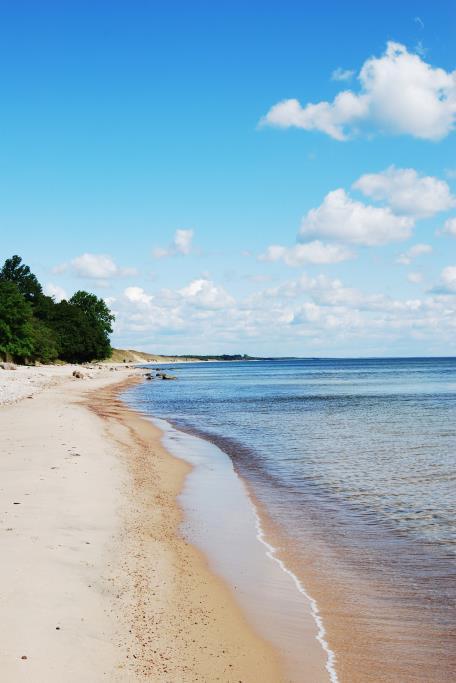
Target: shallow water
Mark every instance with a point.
(222, 521)
(352, 462)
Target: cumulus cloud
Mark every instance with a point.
(94, 266)
(408, 256)
(406, 192)
(204, 293)
(181, 244)
(340, 74)
(341, 218)
(57, 292)
(137, 295)
(320, 310)
(312, 252)
(399, 93)
(449, 227)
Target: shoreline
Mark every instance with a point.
(279, 607)
(101, 585)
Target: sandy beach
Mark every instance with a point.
(97, 582)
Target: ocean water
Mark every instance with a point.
(352, 464)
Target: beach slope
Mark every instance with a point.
(97, 583)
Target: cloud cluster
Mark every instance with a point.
(406, 196)
(319, 309)
(312, 252)
(94, 267)
(181, 244)
(399, 93)
(203, 293)
(410, 255)
(406, 192)
(341, 218)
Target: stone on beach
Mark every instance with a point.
(8, 366)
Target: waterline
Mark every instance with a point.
(223, 521)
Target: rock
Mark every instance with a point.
(165, 376)
(78, 374)
(8, 366)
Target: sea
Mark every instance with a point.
(349, 467)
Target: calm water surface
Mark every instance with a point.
(354, 463)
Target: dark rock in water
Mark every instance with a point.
(78, 374)
(165, 376)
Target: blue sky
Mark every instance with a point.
(126, 122)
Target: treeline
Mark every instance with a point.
(34, 327)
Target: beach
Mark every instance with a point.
(98, 582)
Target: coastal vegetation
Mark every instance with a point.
(133, 356)
(36, 328)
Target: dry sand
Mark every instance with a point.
(97, 584)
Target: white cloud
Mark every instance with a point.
(340, 74)
(341, 218)
(415, 278)
(399, 93)
(203, 293)
(448, 277)
(406, 192)
(449, 227)
(307, 312)
(408, 256)
(326, 117)
(312, 252)
(57, 292)
(137, 295)
(181, 244)
(94, 266)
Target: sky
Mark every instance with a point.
(270, 178)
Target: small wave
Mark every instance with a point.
(271, 553)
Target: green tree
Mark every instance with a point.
(16, 323)
(73, 332)
(14, 270)
(100, 319)
(45, 343)
(33, 326)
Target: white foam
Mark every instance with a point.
(271, 553)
